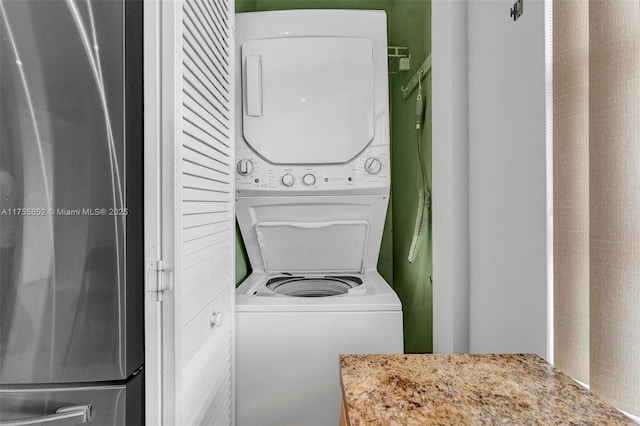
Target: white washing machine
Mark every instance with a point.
(312, 182)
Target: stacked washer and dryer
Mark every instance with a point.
(312, 188)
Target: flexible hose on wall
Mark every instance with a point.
(424, 195)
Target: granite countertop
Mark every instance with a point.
(466, 390)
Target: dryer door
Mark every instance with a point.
(308, 100)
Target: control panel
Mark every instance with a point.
(370, 169)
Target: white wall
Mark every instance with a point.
(450, 177)
(506, 179)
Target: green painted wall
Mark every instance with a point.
(409, 25)
(245, 6)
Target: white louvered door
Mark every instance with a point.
(191, 106)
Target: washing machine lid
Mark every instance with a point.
(305, 235)
(308, 100)
(311, 247)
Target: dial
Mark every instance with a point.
(373, 165)
(309, 179)
(288, 180)
(244, 167)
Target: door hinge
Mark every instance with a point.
(158, 276)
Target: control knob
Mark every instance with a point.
(373, 165)
(244, 167)
(288, 180)
(309, 179)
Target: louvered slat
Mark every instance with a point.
(190, 234)
(205, 135)
(205, 123)
(216, 38)
(194, 155)
(193, 167)
(206, 106)
(207, 202)
(208, 242)
(217, 41)
(200, 81)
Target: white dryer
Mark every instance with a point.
(312, 188)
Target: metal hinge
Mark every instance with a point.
(158, 275)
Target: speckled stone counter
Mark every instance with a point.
(466, 390)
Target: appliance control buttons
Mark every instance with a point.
(288, 180)
(244, 167)
(373, 165)
(309, 179)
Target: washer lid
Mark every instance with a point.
(302, 247)
(308, 100)
(311, 234)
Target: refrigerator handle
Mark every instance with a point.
(65, 416)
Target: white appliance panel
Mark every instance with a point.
(308, 100)
(353, 176)
(295, 378)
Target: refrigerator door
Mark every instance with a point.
(64, 191)
(91, 405)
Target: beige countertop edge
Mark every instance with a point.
(389, 390)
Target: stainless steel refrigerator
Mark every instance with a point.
(71, 234)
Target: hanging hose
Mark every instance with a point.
(424, 196)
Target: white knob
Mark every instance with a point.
(245, 167)
(215, 319)
(288, 180)
(373, 165)
(309, 179)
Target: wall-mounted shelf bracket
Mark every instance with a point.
(399, 59)
(516, 11)
(415, 80)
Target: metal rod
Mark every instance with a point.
(419, 75)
